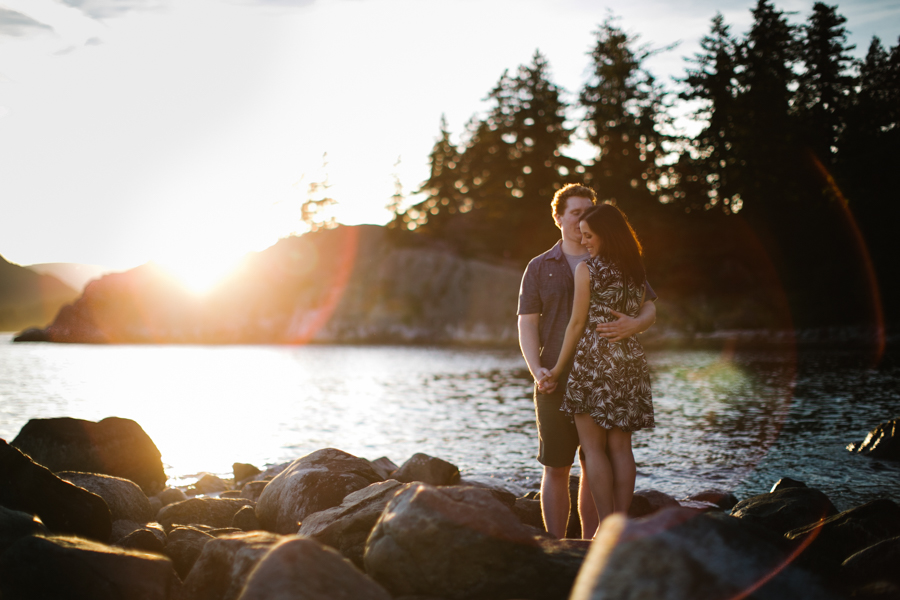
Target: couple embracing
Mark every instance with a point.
(581, 305)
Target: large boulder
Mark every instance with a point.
(882, 442)
(679, 554)
(830, 542)
(39, 568)
(427, 469)
(225, 564)
(785, 509)
(113, 446)
(213, 512)
(878, 562)
(64, 508)
(347, 527)
(15, 524)
(462, 543)
(309, 484)
(124, 498)
(646, 502)
(298, 568)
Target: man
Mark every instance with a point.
(545, 306)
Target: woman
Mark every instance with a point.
(608, 392)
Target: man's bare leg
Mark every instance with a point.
(587, 510)
(555, 504)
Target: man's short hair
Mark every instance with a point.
(571, 190)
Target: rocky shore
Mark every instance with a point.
(85, 512)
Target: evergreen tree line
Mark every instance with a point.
(787, 186)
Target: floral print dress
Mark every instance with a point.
(610, 380)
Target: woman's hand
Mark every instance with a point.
(548, 381)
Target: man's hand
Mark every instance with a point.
(622, 328)
(543, 380)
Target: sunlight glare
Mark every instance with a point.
(200, 271)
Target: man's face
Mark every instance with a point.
(568, 221)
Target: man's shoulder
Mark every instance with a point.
(553, 253)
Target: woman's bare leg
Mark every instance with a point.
(587, 510)
(621, 459)
(599, 470)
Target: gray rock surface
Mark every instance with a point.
(171, 496)
(222, 569)
(39, 568)
(243, 471)
(882, 442)
(245, 519)
(462, 543)
(113, 446)
(785, 509)
(142, 540)
(384, 466)
(680, 554)
(427, 469)
(646, 502)
(347, 527)
(210, 484)
(312, 483)
(213, 512)
(787, 482)
(15, 524)
(184, 545)
(64, 508)
(299, 568)
(878, 562)
(124, 498)
(253, 489)
(721, 498)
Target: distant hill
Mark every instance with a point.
(29, 299)
(75, 275)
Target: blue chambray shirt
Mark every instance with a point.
(547, 289)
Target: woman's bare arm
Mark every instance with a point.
(578, 320)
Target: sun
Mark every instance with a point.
(200, 270)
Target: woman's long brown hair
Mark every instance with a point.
(620, 244)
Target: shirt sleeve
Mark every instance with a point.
(651, 295)
(529, 295)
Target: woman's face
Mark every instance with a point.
(591, 242)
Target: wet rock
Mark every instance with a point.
(210, 484)
(347, 527)
(882, 442)
(171, 496)
(142, 540)
(384, 466)
(721, 498)
(214, 512)
(427, 469)
(835, 539)
(312, 483)
(529, 512)
(878, 562)
(245, 519)
(15, 524)
(113, 446)
(787, 482)
(39, 568)
(223, 567)
(646, 502)
(124, 498)
(298, 568)
(253, 490)
(679, 554)
(785, 509)
(184, 545)
(459, 542)
(64, 508)
(244, 471)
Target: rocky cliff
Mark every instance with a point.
(29, 299)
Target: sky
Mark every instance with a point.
(187, 131)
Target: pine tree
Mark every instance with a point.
(441, 189)
(312, 211)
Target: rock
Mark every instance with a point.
(184, 545)
(878, 562)
(32, 334)
(121, 528)
(155, 505)
(64, 508)
(245, 519)
(214, 512)
(171, 496)
(462, 543)
(646, 502)
(384, 466)
(253, 489)
(39, 568)
(142, 540)
(678, 554)
(721, 498)
(230, 494)
(210, 484)
(347, 527)
(785, 509)
(301, 569)
(225, 564)
(244, 471)
(787, 482)
(124, 498)
(832, 541)
(15, 524)
(312, 483)
(427, 469)
(882, 442)
(113, 446)
(529, 512)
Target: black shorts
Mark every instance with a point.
(556, 431)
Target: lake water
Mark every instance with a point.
(729, 420)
